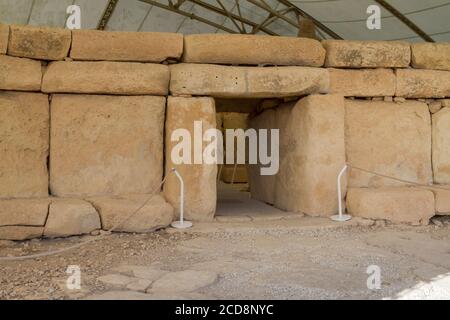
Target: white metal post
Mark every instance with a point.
(181, 224)
(341, 216)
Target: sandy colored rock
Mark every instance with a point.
(434, 56)
(24, 144)
(69, 217)
(367, 54)
(442, 198)
(20, 233)
(235, 120)
(237, 105)
(39, 42)
(116, 280)
(247, 82)
(306, 181)
(398, 205)
(252, 50)
(441, 146)
(125, 46)
(105, 145)
(240, 175)
(146, 213)
(445, 103)
(20, 74)
(4, 36)
(140, 285)
(123, 78)
(434, 106)
(199, 179)
(388, 138)
(183, 281)
(413, 83)
(363, 83)
(24, 212)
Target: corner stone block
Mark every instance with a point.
(434, 56)
(414, 83)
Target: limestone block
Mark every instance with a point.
(247, 82)
(4, 36)
(441, 146)
(69, 217)
(126, 46)
(367, 54)
(398, 205)
(434, 56)
(306, 181)
(103, 145)
(20, 233)
(240, 175)
(235, 120)
(442, 197)
(20, 74)
(24, 212)
(388, 138)
(146, 212)
(363, 83)
(24, 144)
(199, 179)
(39, 42)
(123, 78)
(252, 50)
(413, 83)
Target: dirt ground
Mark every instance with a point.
(286, 258)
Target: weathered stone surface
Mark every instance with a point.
(126, 46)
(237, 105)
(69, 217)
(140, 285)
(235, 120)
(390, 139)
(24, 144)
(199, 179)
(116, 280)
(399, 205)
(434, 56)
(239, 176)
(23, 212)
(20, 74)
(125, 78)
(367, 54)
(434, 106)
(251, 49)
(445, 103)
(247, 82)
(146, 213)
(142, 272)
(363, 83)
(104, 145)
(20, 233)
(442, 197)
(441, 146)
(413, 83)
(39, 42)
(307, 176)
(183, 281)
(4, 36)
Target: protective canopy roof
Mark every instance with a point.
(412, 20)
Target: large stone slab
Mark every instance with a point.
(24, 212)
(306, 181)
(367, 54)
(441, 146)
(363, 83)
(20, 233)
(39, 42)
(252, 50)
(134, 213)
(4, 36)
(399, 205)
(442, 197)
(390, 139)
(247, 82)
(126, 46)
(69, 217)
(124, 78)
(103, 145)
(413, 83)
(434, 56)
(24, 144)
(20, 74)
(199, 179)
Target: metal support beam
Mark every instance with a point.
(107, 14)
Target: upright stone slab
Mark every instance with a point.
(39, 42)
(252, 50)
(390, 139)
(363, 83)
(441, 146)
(24, 144)
(24, 212)
(367, 54)
(423, 83)
(306, 181)
(442, 197)
(121, 78)
(125, 46)
(20, 74)
(199, 179)
(247, 82)
(4, 36)
(434, 56)
(105, 145)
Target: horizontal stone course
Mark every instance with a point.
(414, 83)
(4, 37)
(126, 46)
(253, 50)
(20, 233)
(435, 56)
(24, 212)
(20, 74)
